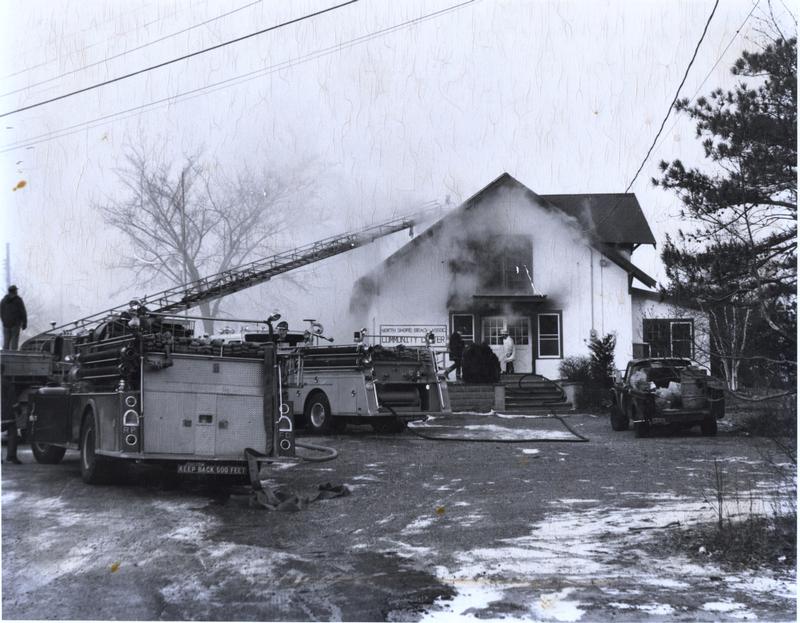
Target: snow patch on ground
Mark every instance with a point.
(529, 451)
(470, 598)
(9, 496)
(721, 606)
(405, 550)
(556, 606)
(587, 546)
(418, 525)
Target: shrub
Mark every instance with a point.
(575, 369)
(602, 360)
(480, 364)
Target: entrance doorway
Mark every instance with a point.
(519, 328)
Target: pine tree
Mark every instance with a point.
(740, 261)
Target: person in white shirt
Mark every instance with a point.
(509, 350)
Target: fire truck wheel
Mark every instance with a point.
(93, 468)
(708, 427)
(387, 425)
(47, 454)
(317, 413)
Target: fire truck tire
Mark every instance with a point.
(94, 469)
(387, 425)
(708, 427)
(317, 413)
(47, 454)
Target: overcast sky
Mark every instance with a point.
(565, 96)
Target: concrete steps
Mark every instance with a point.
(533, 395)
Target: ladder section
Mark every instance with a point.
(186, 296)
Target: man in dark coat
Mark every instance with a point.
(456, 348)
(15, 318)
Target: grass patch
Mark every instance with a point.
(754, 543)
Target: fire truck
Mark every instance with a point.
(328, 386)
(134, 382)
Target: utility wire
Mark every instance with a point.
(610, 213)
(719, 59)
(88, 47)
(136, 49)
(677, 93)
(180, 58)
(223, 84)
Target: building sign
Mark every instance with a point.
(413, 334)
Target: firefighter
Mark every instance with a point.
(283, 332)
(509, 351)
(15, 318)
(456, 348)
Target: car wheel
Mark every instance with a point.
(317, 413)
(708, 427)
(93, 468)
(46, 454)
(619, 420)
(388, 425)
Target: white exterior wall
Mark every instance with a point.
(588, 290)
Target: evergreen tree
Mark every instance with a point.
(740, 261)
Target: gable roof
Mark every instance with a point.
(616, 218)
(609, 218)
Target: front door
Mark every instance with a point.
(518, 327)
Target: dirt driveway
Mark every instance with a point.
(549, 531)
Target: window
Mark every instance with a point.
(465, 324)
(669, 337)
(549, 336)
(493, 327)
(503, 263)
(516, 327)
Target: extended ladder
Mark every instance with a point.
(192, 294)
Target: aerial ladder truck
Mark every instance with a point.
(134, 382)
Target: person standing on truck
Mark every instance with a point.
(15, 318)
(456, 348)
(509, 351)
(283, 332)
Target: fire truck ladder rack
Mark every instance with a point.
(211, 287)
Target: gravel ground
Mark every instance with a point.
(548, 531)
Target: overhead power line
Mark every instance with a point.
(180, 58)
(719, 59)
(135, 49)
(223, 84)
(611, 212)
(677, 94)
(85, 48)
